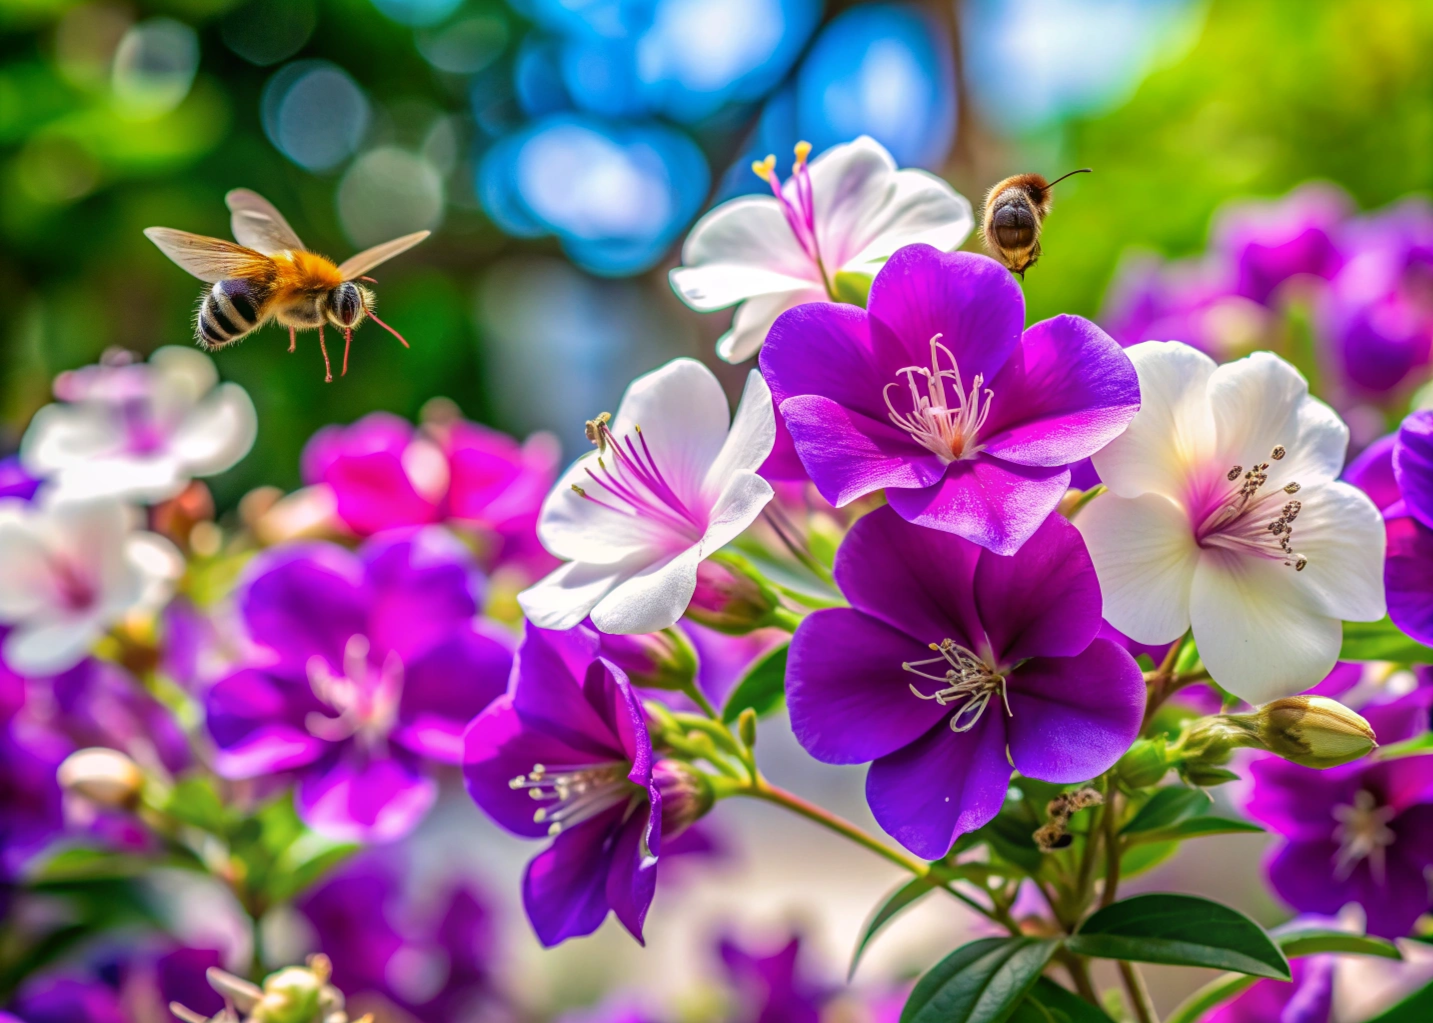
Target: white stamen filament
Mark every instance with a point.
(1249, 523)
(1363, 833)
(947, 424)
(580, 793)
(366, 702)
(967, 680)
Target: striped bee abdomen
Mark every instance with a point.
(229, 311)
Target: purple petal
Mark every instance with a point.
(424, 585)
(1392, 720)
(608, 684)
(1302, 874)
(550, 673)
(849, 455)
(970, 300)
(917, 581)
(1067, 391)
(1413, 465)
(1372, 472)
(565, 888)
(1408, 577)
(849, 699)
(632, 876)
(995, 504)
(359, 799)
(1044, 600)
(1073, 717)
(824, 349)
(1401, 783)
(362, 464)
(304, 600)
(257, 722)
(446, 688)
(944, 784)
(1297, 802)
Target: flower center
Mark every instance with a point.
(967, 681)
(633, 484)
(797, 203)
(365, 700)
(575, 794)
(143, 432)
(947, 418)
(75, 588)
(1252, 521)
(1363, 833)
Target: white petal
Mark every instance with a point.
(1145, 557)
(61, 436)
(851, 185)
(26, 587)
(157, 564)
(652, 599)
(742, 248)
(565, 596)
(683, 414)
(753, 319)
(183, 376)
(580, 529)
(1258, 632)
(49, 646)
(1172, 434)
(218, 432)
(749, 443)
(919, 209)
(148, 478)
(1260, 401)
(1342, 534)
(745, 495)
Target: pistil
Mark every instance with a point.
(967, 681)
(366, 702)
(947, 418)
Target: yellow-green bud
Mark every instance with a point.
(1206, 775)
(730, 601)
(290, 996)
(103, 776)
(746, 727)
(686, 795)
(1314, 731)
(1144, 764)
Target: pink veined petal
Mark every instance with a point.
(741, 249)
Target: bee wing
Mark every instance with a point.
(258, 225)
(209, 259)
(356, 266)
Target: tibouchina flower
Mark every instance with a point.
(566, 754)
(1225, 514)
(140, 431)
(934, 393)
(951, 664)
(1408, 573)
(366, 665)
(1306, 998)
(71, 570)
(1358, 833)
(847, 210)
(668, 484)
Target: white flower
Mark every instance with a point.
(1225, 514)
(847, 211)
(668, 485)
(139, 431)
(71, 570)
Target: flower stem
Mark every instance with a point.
(694, 692)
(784, 619)
(1140, 1002)
(1112, 848)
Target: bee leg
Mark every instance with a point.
(293, 340)
(327, 369)
(347, 340)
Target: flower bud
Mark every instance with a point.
(653, 660)
(103, 776)
(1314, 731)
(728, 601)
(1144, 764)
(1206, 775)
(746, 727)
(686, 795)
(299, 994)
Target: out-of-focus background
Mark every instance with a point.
(560, 150)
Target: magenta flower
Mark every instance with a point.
(933, 393)
(367, 666)
(1359, 833)
(1308, 998)
(1269, 243)
(948, 657)
(1193, 301)
(384, 474)
(566, 754)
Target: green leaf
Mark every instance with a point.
(1381, 641)
(1011, 838)
(1407, 748)
(981, 982)
(1317, 940)
(1167, 806)
(907, 894)
(1144, 857)
(763, 688)
(1048, 1002)
(1182, 930)
(852, 287)
(1416, 1008)
(1196, 827)
(195, 801)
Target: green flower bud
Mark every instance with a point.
(686, 795)
(1144, 764)
(746, 727)
(1206, 776)
(1314, 731)
(729, 601)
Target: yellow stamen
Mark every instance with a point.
(764, 169)
(803, 150)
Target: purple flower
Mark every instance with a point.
(435, 965)
(1307, 999)
(118, 986)
(1190, 301)
(948, 657)
(15, 481)
(1408, 572)
(30, 807)
(935, 394)
(367, 666)
(1359, 833)
(1372, 472)
(1269, 243)
(770, 986)
(566, 753)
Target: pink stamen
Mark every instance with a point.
(799, 207)
(636, 484)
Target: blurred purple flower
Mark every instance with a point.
(436, 966)
(770, 986)
(385, 473)
(935, 395)
(1193, 302)
(1270, 242)
(943, 637)
(30, 806)
(1308, 999)
(571, 740)
(124, 985)
(1372, 472)
(15, 481)
(1359, 833)
(1408, 572)
(366, 666)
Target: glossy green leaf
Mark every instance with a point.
(1381, 641)
(1407, 748)
(1169, 805)
(1011, 838)
(1048, 1002)
(1182, 930)
(981, 982)
(1318, 940)
(1144, 857)
(1196, 827)
(762, 688)
(906, 895)
(1416, 1008)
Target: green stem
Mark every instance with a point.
(1079, 970)
(1112, 848)
(695, 694)
(1140, 1002)
(784, 619)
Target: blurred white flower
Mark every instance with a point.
(140, 430)
(670, 482)
(71, 570)
(845, 212)
(1225, 514)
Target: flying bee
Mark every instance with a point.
(270, 275)
(1015, 209)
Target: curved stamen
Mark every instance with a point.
(365, 702)
(634, 483)
(967, 680)
(580, 792)
(945, 422)
(798, 207)
(1249, 522)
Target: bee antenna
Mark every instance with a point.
(390, 330)
(1062, 177)
(370, 280)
